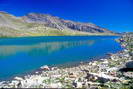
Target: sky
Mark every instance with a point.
(115, 15)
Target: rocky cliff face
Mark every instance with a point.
(56, 22)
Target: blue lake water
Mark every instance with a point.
(20, 55)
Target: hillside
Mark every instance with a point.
(45, 25)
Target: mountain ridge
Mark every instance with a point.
(35, 24)
(81, 26)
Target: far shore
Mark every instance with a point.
(59, 35)
(3, 37)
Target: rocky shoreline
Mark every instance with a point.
(107, 73)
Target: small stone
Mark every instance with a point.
(36, 72)
(93, 87)
(105, 62)
(81, 62)
(55, 85)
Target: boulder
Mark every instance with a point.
(128, 74)
(129, 64)
(54, 68)
(91, 77)
(72, 75)
(45, 67)
(127, 67)
(77, 84)
(18, 78)
(94, 64)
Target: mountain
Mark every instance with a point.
(56, 22)
(35, 24)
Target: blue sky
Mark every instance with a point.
(116, 15)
